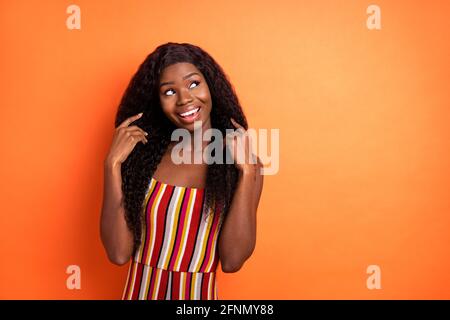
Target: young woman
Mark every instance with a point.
(177, 221)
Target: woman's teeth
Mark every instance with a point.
(189, 113)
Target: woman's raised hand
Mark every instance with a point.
(125, 139)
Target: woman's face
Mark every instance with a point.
(185, 96)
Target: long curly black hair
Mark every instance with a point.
(142, 95)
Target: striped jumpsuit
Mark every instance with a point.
(178, 255)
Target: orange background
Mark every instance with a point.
(364, 140)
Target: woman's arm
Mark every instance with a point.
(238, 235)
(116, 237)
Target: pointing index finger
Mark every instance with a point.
(237, 125)
(127, 122)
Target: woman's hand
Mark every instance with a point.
(238, 235)
(125, 139)
(241, 144)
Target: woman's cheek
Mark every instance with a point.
(167, 110)
(169, 114)
(205, 98)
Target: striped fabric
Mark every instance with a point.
(178, 255)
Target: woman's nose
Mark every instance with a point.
(184, 97)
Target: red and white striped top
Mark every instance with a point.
(178, 256)
(176, 236)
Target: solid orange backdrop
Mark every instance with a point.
(364, 140)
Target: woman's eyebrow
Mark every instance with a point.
(185, 77)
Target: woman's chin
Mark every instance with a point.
(191, 125)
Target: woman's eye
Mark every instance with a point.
(168, 91)
(197, 82)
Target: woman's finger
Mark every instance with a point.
(237, 125)
(136, 128)
(139, 136)
(127, 122)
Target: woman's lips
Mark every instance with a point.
(190, 116)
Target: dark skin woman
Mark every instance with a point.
(173, 89)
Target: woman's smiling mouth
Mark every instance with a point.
(190, 115)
